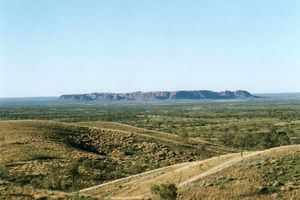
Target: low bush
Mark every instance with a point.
(256, 140)
(165, 191)
(3, 171)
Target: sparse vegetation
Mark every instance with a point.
(165, 191)
(74, 170)
(256, 140)
(272, 174)
(77, 146)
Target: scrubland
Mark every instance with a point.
(120, 151)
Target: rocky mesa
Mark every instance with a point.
(160, 95)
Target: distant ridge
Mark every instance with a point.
(160, 95)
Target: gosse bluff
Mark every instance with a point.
(162, 95)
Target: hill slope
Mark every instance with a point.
(208, 149)
(258, 175)
(43, 155)
(161, 95)
(38, 159)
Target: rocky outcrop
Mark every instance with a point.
(162, 95)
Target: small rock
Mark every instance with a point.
(274, 161)
(275, 195)
(281, 173)
(221, 187)
(208, 184)
(277, 183)
(221, 178)
(262, 190)
(282, 188)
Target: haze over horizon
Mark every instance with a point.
(50, 48)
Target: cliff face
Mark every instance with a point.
(162, 95)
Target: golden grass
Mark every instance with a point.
(244, 180)
(190, 177)
(158, 135)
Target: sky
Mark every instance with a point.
(54, 47)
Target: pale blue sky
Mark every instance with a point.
(53, 47)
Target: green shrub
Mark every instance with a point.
(165, 191)
(53, 183)
(3, 171)
(184, 136)
(274, 139)
(74, 170)
(256, 140)
(40, 156)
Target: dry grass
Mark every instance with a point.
(222, 177)
(179, 174)
(33, 151)
(163, 136)
(38, 154)
(253, 178)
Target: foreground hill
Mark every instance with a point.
(52, 159)
(269, 174)
(162, 95)
(96, 160)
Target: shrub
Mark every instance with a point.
(184, 136)
(3, 171)
(274, 139)
(53, 182)
(261, 140)
(165, 191)
(40, 156)
(74, 170)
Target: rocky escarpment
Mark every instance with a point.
(161, 95)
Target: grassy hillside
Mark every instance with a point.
(54, 159)
(65, 157)
(271, 174)
(35, 163)
(122, 150)
(258, 175)
(207, 148)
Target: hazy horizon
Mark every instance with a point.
(57, 96)
(50, 48)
